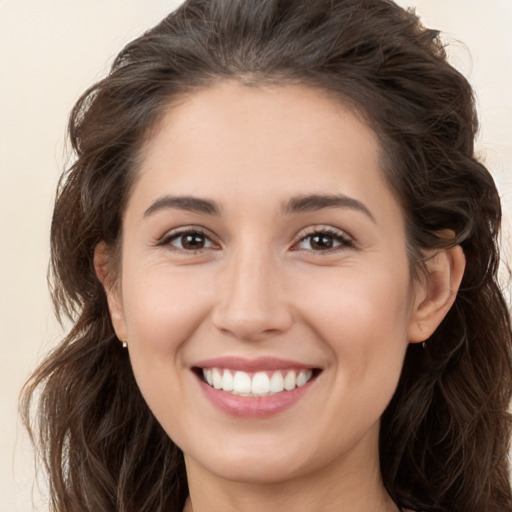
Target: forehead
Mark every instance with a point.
(233, 140)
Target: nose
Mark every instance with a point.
(250, 303)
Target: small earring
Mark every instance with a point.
(420, 325)
(123, 342)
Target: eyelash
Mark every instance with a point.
(166, 241)
(344, 241)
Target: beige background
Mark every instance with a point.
(50, 51)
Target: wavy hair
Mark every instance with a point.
(445, 435)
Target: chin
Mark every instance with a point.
(257, 470)
(260, 463)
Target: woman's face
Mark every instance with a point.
(263, 251)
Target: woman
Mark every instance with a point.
(279, 254)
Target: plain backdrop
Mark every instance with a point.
(50, 51)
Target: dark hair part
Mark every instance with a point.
(445, 434)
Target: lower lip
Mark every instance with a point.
(253, 406)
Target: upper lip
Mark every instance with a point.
(252, 365)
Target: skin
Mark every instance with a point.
(259, 287)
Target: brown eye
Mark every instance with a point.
(193, 241)
(190, 241)
(320, 242)
(324, 241)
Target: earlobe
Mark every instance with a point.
(437, 292)
(102, 266)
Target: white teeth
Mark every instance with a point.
(257, 384)
(241, 383)
(217, 378)
(289, 381)
(227, 381)
(276, 383)
(260, 384)
(303, 377)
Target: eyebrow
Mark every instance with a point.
(299, 204)
(187, 203)
(310, 203)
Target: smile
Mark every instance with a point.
(254, 388)
(257, 384)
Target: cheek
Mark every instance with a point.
(355, 307)
(163, 307)
(162, 310)
(362, 317)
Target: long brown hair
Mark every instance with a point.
(445, 434)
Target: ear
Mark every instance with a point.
(436, 293)
(102, 266)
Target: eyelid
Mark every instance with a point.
(183, 230)
(347, 241)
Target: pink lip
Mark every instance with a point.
(252, 365)
(253, 407)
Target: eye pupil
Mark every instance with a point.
(193, 241)
(321, 242)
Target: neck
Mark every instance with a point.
(353, 484)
